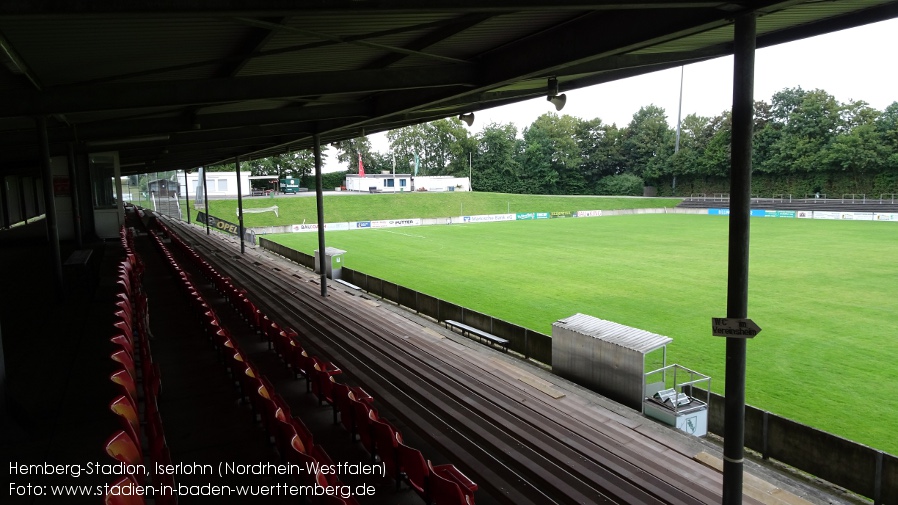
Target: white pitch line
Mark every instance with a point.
(404, 234)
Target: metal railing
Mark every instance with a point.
(854, 197)
(891, 198)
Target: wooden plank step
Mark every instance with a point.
(754, 486)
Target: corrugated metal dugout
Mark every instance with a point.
(607, 357)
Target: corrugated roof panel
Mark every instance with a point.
(246, 105)
(87, 48)
(324, 59)
(628, 337)
(298, 30)
(498, 31)
(767, 23)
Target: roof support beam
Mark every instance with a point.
(117, 96)
(288, 7)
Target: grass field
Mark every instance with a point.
(823, 292)
(364, 207)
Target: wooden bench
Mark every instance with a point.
(347, 284)
(470, 330)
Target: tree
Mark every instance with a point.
(804, 124)
(293, 164)
(441, 146)
(696, 133)
(495, 164)
(859, 149)
(887, 126)
(551, 161)
(600, 150)
(348, 153)
(648, 144)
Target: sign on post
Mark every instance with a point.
(733, 327)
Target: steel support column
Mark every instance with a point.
(4, 204)
(239, 206)
(737, 273)
(206, 199)
(76, 197)
(186, 196)
(50, 206)
(319, 200)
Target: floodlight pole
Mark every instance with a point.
(319, 199)
(737, 273)
(186, 196)
(206, 200)
(679, 123)
(239, 206)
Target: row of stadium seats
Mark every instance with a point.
(292, 439)
(352, 406)
(141, 439)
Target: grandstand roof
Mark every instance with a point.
(179, 84)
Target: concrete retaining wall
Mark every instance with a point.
(856, 467)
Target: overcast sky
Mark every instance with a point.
(855, 64)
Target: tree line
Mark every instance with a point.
(804, 142)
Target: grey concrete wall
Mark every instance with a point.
(478, 320)
(824, 455)
(408, 298)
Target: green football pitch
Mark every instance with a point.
(824, 293)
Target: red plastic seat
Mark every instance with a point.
(363, 414)
(121, 447)
(272, 332)
(324, 459)
(322, 379)
(413, 468)
(443, 491)
(284, 431)
(386, 442)
(124, 342)
(126, 360)
(128, 415)
(303, 364)
(126, 383)
(298, 456)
